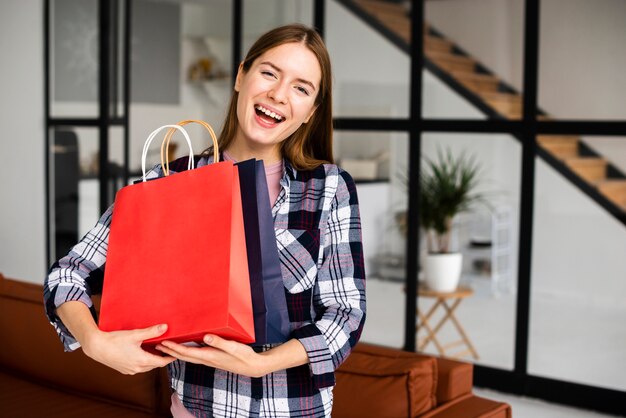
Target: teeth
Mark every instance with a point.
(269, 113)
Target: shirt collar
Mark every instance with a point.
(289, 172)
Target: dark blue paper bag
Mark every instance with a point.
(269, 306)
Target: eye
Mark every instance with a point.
(268, 73)
(302, 90)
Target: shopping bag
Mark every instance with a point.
(177, 255)
(269, 305)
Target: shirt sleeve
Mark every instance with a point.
(339, 291)
(79, 275)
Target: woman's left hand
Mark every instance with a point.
(219, 353)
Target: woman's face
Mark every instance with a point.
(276, 95)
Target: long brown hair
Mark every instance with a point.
(312, 143)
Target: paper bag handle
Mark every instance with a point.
(154, 133)
(165, 164)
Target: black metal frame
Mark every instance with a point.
(518, 381)
(107, 81)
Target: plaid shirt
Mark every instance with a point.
(318, 231)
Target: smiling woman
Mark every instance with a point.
(276, 97)
(280, 112)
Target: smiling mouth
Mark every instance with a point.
(267, 115)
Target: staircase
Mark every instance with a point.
(582, 165)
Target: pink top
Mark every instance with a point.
(178, 410)
(273, 174)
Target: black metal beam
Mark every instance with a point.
(85, 122)
(127, 86)
(527, 192)
(104, 24)
(46, 105)
(581, 127)
(237, 34)
(602, 400)
(415, 155)
(319, 16)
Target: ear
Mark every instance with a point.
(310, 114)
(240, 74)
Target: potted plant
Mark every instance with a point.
(447, 188)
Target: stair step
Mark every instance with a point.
(557, 139)
(511, 110)
(477, 82)
(591, 169)
(434, 43)
(561, 147)
(615, 191)
(502, 97)
(452, 62)
(393, 16)
(383, 7)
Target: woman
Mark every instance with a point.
(280, 112)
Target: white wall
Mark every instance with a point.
(582, 58)
(22, 214)
(578, 250)
(491, 30)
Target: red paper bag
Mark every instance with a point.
(177, 255)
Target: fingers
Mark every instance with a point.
(218, 342)
(160, 361)
(150, 332)
(182, 352)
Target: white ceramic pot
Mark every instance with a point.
(442, 272)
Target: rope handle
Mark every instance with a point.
(165, 164)
(154, 133)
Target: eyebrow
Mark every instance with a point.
(302, 80)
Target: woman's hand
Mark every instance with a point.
(121, 350)
(239, 358)
(220, 353)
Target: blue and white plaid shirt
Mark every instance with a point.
(318, 231)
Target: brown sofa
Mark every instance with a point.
(38, 379)
(385, 382)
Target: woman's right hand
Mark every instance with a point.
(121, 350)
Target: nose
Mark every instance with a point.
(278, 93)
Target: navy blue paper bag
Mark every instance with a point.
(269, 306)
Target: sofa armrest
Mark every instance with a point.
(32, 350)
(455, 379)
(380, 382)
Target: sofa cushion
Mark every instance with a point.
(455, 379)
(387, 386)
(25, 399)
(470, 406)
(31, 349)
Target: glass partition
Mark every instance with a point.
(74, 186)
(473, 57)
(378, 163)
(583, 40)
(259, 16)
(477, 324)
(577, 301)
(371, 74)
(74, 58)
